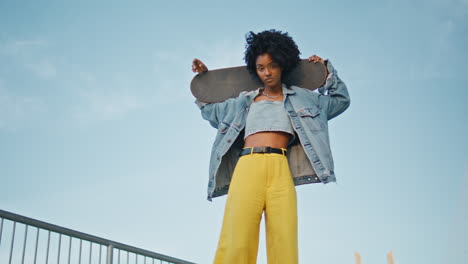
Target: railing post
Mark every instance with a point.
(110, 256)
(12, 242)
(1, 230)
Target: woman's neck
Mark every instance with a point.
(273, 89)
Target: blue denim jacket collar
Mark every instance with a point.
(286, 91)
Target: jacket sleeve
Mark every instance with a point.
(214, 112)
(336, 100)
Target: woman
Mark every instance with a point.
(268, 141)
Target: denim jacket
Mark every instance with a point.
(310, 158)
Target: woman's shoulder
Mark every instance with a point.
(242, 98)
(304, 96)
(249, 93)
(302, 90)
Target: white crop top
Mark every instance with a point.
(267, 116)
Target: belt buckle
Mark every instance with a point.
(265, 149)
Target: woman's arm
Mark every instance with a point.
(213, 112)
(337, 99)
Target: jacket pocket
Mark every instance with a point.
(311, 118)
(223, 127)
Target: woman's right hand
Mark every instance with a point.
(198, 66)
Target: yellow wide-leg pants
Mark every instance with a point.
(260, 183)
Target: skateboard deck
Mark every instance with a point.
(221, 84)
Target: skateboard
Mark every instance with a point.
(221, 84)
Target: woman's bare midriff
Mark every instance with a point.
(267, 139)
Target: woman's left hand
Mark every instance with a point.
(316, 59)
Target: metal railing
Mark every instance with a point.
(50, 240)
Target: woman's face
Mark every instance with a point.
(268, 71)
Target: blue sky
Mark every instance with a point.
(99, 132)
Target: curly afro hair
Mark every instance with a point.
(280, 46)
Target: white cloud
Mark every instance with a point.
(96, 100)
(18, 46)
(173, 71)
(111, 106)
(30, 55)
(171, 77)
(113, 96)
(43, 69)
(17, 110)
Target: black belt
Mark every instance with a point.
(262, 150)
